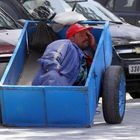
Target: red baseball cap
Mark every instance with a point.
(75, 28)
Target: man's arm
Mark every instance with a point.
(92, 42)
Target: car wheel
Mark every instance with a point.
(113, 95)
(135, 95)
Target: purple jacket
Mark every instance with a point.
(60, 64)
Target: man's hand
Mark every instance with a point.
(92, 42)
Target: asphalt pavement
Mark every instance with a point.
(129, 129)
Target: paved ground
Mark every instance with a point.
(128, 130)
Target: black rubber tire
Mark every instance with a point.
(112, 103)
(135, 95)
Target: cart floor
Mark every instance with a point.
(30, 68)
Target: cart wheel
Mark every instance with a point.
(114, 96)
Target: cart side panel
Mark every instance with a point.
(102, 59)
(94, 84)
(107, 46)
(67, 107)
(20, 108)
(100, 63)
(44, 106)
(14, 68)
(16, 63)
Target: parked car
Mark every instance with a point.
(17, 11)
(9, 33)
(125, 37)
(127, 9)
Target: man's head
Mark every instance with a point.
(79, 35)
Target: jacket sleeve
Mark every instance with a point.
(51, 63)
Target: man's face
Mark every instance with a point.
(81, 39)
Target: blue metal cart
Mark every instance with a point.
(63, 106)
